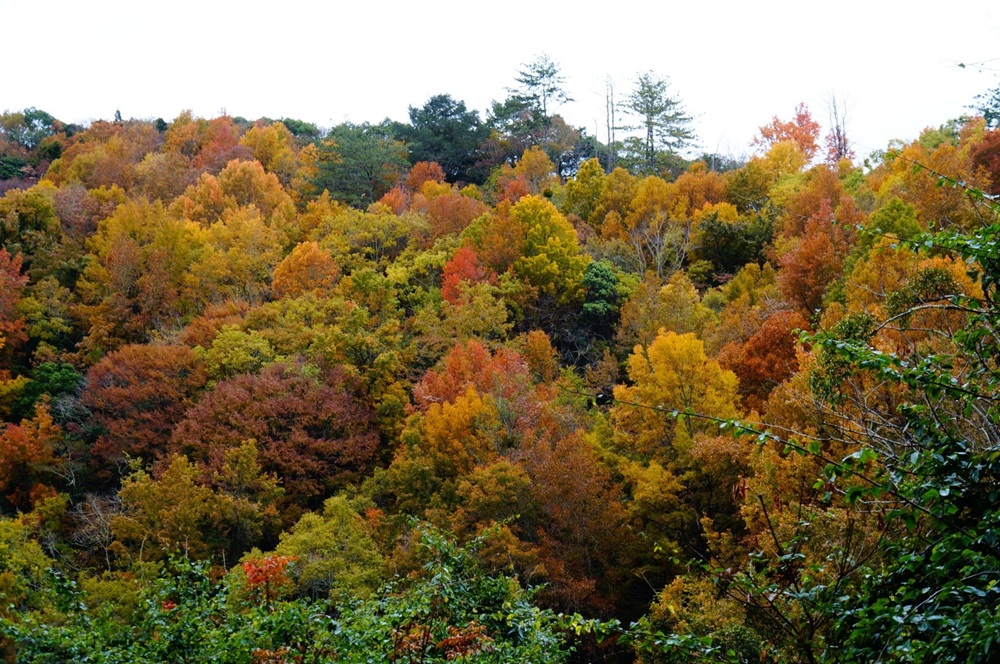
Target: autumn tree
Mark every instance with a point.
(422, 172)
(27, 128)
(653, 306)
(174, 513)
(137, 395)
(463, 266)
(658, 228)
(986, 155)
(801, 130)
(552, 261)
(583, 536)
(452, 212)
(440, 446)
(135, 284)
(309, 430)
(29, 458)
(29, 226)
(671, 374)
(583, 191)
(106, 154)
(274, 147)
(307, 268)
(766, 359)
(12, 282)
(234, 352)
(811, 264)
(471, 364)
(239, 253)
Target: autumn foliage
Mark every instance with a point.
(447, 384)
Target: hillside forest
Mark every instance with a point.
(487, 389)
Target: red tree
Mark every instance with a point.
(309, 431)
(137, 394)
(463, 266)
(802, 130)
(11, 284)
(766, 359)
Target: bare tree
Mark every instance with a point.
(838, 146)
(93, 517)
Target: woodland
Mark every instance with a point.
(488, 389)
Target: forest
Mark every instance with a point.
(489, 389)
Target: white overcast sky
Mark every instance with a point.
(734, 64)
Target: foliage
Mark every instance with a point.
(204, 359)
(309, 429)
(451, 610)
(359, 163)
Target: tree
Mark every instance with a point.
(658, 228)
(307, 268)
(986, 155)
(584, 190)
(358, 163)
(663, 118)
(137, 394)
(671, 374)
(552, 261)
(28, 457)
(273, 145)
(462, 267)
(801, 130)
(27, 128)
(333, 551)
(838, 146)
(444, 131)
(12, 282)
(989, 105)
(541, 83)
(541, 86)
(309, 430)
(765, 359)
(173, 512)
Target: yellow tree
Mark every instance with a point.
(672, 374)
(651, 308)
(307, 268)
(536, 168)
(583, 191)
(274, 147)
(552, 261)
(238, 256)
(658, 227)
(440, 447)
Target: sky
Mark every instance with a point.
(734, 65)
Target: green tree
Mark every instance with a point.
(360, 162)
(663, 119)
(27, 128)
(988, 103)
(334, 552)
(445, 132)
(540, 86)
